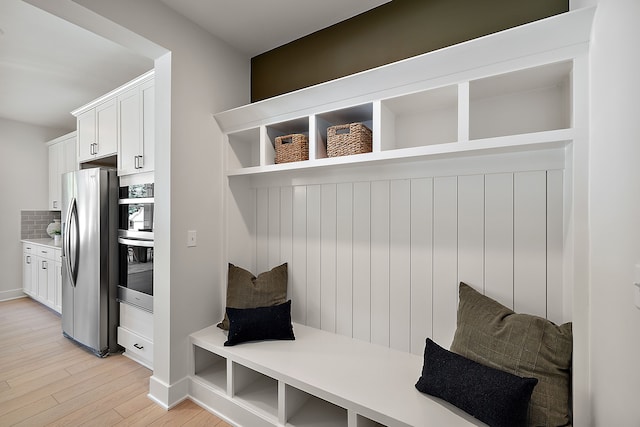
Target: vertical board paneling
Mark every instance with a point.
(380, 262)
(299, 268)
(273, 231)
(328, 258)
(286, 232)
(421, 263)
(471, 230)
(554, 246)
(498, 266)
(362, 260)
(262, 230)
(313, 256)
(344, 259)
(529, 243)
(400, 265)
(445, 259)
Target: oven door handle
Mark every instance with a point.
(134, 242)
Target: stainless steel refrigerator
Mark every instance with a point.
(89, 258)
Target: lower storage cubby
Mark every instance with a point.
(366, 422)
(210, 368)
(255, 390)
(302, 409)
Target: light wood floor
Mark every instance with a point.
(45, 379)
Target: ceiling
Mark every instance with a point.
(49, 67)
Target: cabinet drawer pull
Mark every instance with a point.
(44, 265)
(138, 346)
(138, 162)
(28, 259)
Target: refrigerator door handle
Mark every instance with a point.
(69, 246)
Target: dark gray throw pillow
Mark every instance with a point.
(522, 344)
(244, 290)
(261, 323)
(495, 397)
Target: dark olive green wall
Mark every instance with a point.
(393, 31)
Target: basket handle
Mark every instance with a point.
(286, 140)
(344, 130)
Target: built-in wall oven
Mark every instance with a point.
(135, 242)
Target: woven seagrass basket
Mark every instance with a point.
(292, 148)
(347, 139)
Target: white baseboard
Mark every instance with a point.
(12, 294)
(168, 395)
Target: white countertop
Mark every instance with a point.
(43, 242)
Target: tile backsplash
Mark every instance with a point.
(33, 224)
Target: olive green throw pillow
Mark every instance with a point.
(522, 344)
(244, 290)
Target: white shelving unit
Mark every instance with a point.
(507, 105)
(509, 112)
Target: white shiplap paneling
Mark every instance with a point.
(381, 260)
(380, 224)
(498, 266)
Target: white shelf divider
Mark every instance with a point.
(463, 112)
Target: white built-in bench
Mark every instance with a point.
(320, 379)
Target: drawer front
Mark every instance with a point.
(28, 248)
(135, 344)
(136, 320)
(47, 253)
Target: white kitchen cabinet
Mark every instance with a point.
(135, 334)
(57, 266)
(42, 274)
(97, 131)
(29, 272)
(136, 129)
(120, 123)
(62, 159)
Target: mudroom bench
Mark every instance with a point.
(319, 379)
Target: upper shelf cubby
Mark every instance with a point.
(243, 149)
(424, 118)
(356, 114)
(508, 91)
(275, 130)
(532, 100)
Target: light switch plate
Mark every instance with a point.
(191, 238)
(636, 286)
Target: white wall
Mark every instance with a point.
(615, 212)
(24, 185)
(201, 75)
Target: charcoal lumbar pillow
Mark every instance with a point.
(261, 323)
(495, 397)
(244, 290)
(521, 344)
